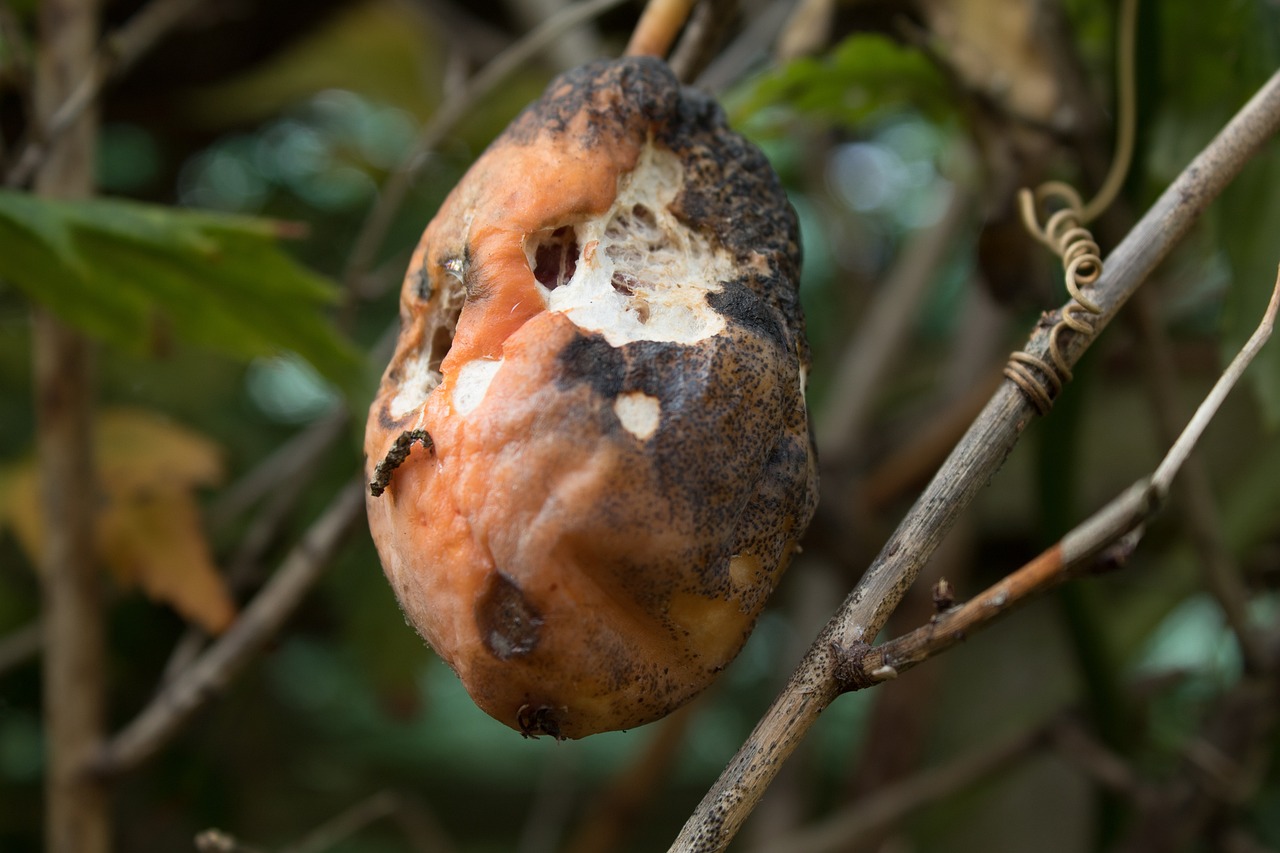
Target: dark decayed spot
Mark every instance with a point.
(737, 304)
(556, 260)
(593, 360)
(509, 624)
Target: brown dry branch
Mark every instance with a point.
(1083, 751)
(892, 804)
(748, 48)
(457, 106)
(1222, 769)
(217, 841)
(619, 806)
(1110, 534)
(883, 333)
(423, 835)
(258, 623)
(77, 813)
(984, 448)
(1199, 509)
(295, 455)
(120, 50)
(245, 566)
(659, 24)
(707, 28)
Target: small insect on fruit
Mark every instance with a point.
(590, 454)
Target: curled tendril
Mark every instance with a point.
(1065, 234)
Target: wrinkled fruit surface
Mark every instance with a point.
(595, 413)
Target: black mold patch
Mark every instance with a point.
(509, 624)
(618, 96)
(737, 304)
(593, 360)
(422, 285)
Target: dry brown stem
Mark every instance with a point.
(815, 684)
(658, 27)
(1115, 526)
(892, 804)
(883, 333)
(77, 818)
(707, 27)
(1198, 507)
(618, 807)
(260, 620)
(456, 106)
(119, 51)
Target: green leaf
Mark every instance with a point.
(864, 75)
(130, 273)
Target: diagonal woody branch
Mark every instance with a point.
(814, 684)
(1117, 525)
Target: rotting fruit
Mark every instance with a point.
(590, 454)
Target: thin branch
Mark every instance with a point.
(260, 621)
(1200, 420)
(750, 48)
(619, 805)
(1083, 751)
(299, 452)
(453, 110)
(814, 684)
(698, 44)
(659, 24)
(77, 810)
(1199, 509)
(892, 804)
(346, 823)
(1116, 524)
(883, 332)
(217, 841)
(119, 51)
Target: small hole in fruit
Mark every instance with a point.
(644, 216)
(623, 283)
(509, 623)
(556, 259)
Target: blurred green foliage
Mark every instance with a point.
(134, 275)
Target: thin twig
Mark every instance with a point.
(749, 48)
(702, 36)
(456, 107)
(659, 24)
(299, 452)
(346, 823)
(1126, 109)
(892, 804)
(616, 809)
(1204, 414)
(1199, 508)
(883, 332)
(259, 621)
(814, 684)
(119, 51)
(1083, 751)
(1120, 521)
(217, 841)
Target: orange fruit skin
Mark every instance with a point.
(578, 572)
